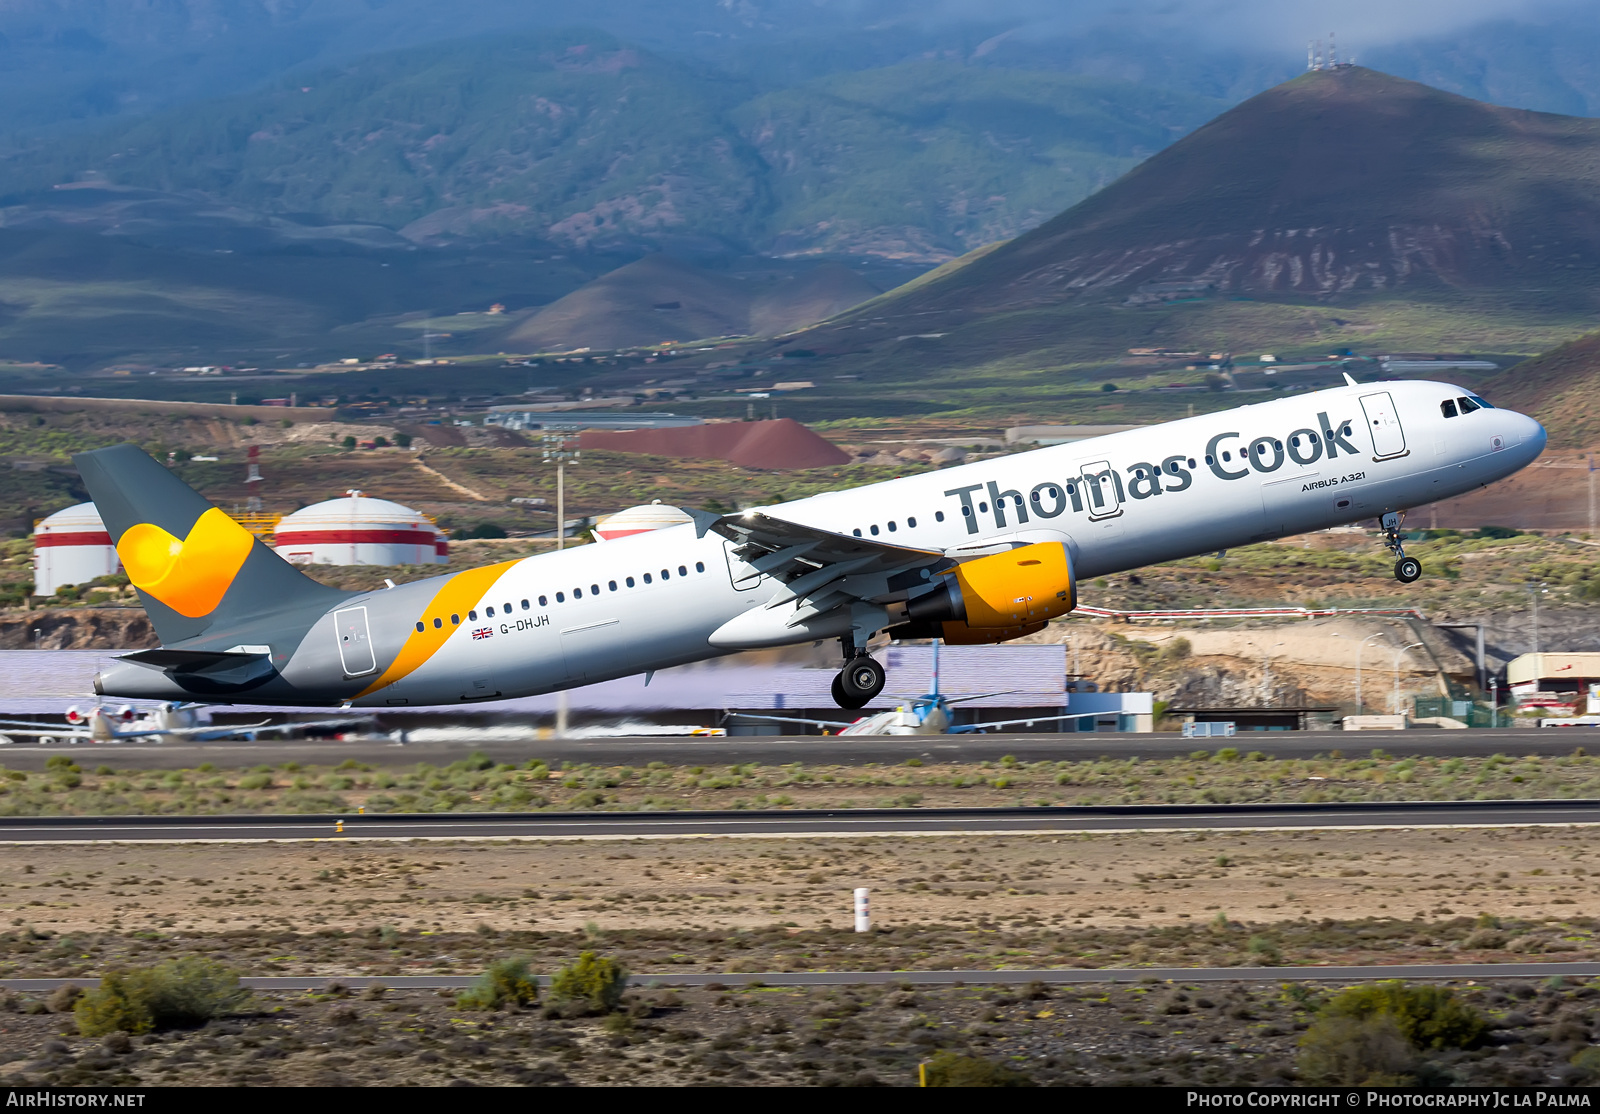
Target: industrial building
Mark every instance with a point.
(1555, 681)
(71, 547)
(359, 530)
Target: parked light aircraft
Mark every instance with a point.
(928, 714)
(980, 553)
(169, 723)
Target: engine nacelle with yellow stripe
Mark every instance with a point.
(996, 598)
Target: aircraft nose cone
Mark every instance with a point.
(1535, 435)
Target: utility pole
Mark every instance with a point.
(1397, 656)
(1591, 498)
(556, 452)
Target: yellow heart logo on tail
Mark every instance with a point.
(192, 575)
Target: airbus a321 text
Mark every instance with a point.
(980, 553)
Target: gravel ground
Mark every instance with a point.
(1153, 1034)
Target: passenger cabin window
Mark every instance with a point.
(891, 526)
(473, 615)
(561, 597)
(629, 582)
(874, 529)
(611, 584)
(525, 603)
(856, 531)
(455, 620)
(912, 523)
(594, 589)
(1467, 405)
(683, 571)
(1448, 408)
(699, 566)
(938, 516)
(488, 612)
(647, 578)
(420, 628)
(577, 594)
(665, 575)
(437, 623)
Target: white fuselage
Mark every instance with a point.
(1214, 482)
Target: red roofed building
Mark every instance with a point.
(777, 445)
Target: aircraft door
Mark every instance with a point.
(743, 575)
(1383, 422)
(355, 641)
(1102, 490)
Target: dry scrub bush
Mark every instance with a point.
(506, 982)
(1428, 1016)
(190, 990)
(593, 983)
(1356, 1051)
(951, 1069)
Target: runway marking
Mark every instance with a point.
(356, 837)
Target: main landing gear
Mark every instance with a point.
(1406, 569)
(860, 680)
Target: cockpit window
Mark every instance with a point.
(1448, 408)
(1467, 405)
(1484, 403)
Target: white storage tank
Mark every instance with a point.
(71, 547)
(638, 520)
(358, 530)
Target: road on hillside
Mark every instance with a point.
(810, 749)
(795, 823)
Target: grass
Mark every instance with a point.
(1226, 777)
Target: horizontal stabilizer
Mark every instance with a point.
(192, 661)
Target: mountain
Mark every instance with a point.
(1337, 185)
(660, 298)
(578, 138)
(1559, 387)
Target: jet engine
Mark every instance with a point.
(995, 598)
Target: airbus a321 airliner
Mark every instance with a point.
(980, 553)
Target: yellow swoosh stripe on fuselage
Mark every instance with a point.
(457, 596)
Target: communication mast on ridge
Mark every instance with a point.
(1325, 57)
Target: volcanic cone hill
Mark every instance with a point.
(1561, 388)
(1338, 185)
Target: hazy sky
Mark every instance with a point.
(1279, 24)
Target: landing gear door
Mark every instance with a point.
(355, 641)
(1383, 422)
(744, 577)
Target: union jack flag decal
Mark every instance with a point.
(483, 632)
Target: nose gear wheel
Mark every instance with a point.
(1406, 569)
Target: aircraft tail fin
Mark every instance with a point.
(200, 575)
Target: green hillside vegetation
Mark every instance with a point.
(576, 137)
(659, 298)
(1561, 388)
(928, 158)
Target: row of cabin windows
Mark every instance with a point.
(911, 524)
(1277, 446)
(561, 597)
(1467, 404)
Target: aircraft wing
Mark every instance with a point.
(817, 570)
(975, 728)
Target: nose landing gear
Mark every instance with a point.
(1406, 569)
(861, 679)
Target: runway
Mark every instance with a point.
(1064, 820)
(1051, 976)
(810, 749)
